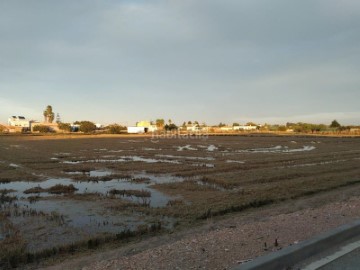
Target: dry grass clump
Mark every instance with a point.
(121, 205)
(57, 189)
(6, 198)
(13, 252)
(4, 180)
(12, 247)
(218, 182)
(81, 169)
(86, 196)
(33, 199)
(131, 192)
(6, 191)
(141, 180)
(175, 202)
(34, 190)
(17, 175)
(187, 185)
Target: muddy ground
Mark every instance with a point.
(68, 195)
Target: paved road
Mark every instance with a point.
(350, 261)
(346, 257)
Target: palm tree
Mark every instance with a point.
(49, 114)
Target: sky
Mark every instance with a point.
(186, 60)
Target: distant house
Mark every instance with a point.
(226, 128)
(193, 128)
(245, 127)
(19, 121)
(149, 127)
(137, 130)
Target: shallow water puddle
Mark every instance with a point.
(116, 151)
(90, 217)
(186, 157)
(235, 161)
(206, 165)
(277, 149)
(13, 165)
(98, 214)
(186, 147)
(212, 148)
(122, 159)
(150, 149)
(157, 199)
(94, 173)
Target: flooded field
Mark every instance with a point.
(59, 193)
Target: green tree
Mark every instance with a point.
(87, 126)
(289, 124)
(43, 129)
(170, 127)
(189, 123)
(64, 127)
(49, 114)
(236, 124)
(282, 128)
(116, 129)
(335, 124)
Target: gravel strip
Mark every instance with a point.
(237, 242)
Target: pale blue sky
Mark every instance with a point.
(205, 60)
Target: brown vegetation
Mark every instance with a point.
(250, 180)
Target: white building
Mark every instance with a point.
(226, 128)
(19, 121)
(244, 127)
(193, 128)
(147, 125)
(137, 130)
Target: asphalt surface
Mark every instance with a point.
(350, 261)
(346, 256)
